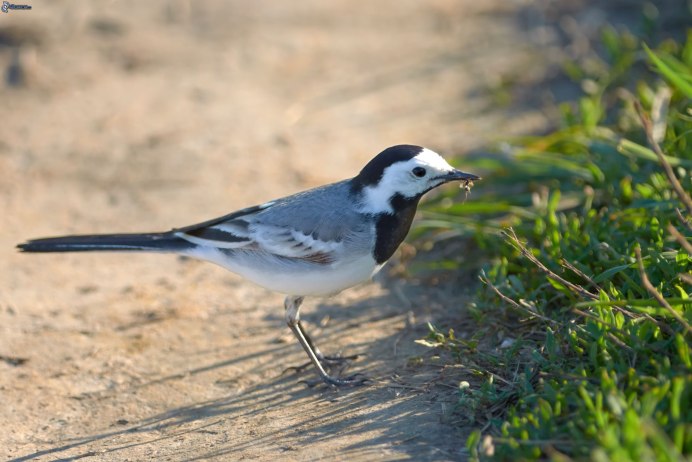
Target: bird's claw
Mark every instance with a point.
(336, 365)
(354, 380)
(327, 362)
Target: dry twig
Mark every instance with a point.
(484, 279)
(648, 129)
(579, 273)
(680, 238)
(656, 294)
(685, 221)
(526, 253)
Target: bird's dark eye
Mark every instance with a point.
(419, 172)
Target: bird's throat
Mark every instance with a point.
(392, 228)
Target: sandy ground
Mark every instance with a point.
(142, 116)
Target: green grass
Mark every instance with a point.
(582, 349)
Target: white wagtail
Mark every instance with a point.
(317, 242)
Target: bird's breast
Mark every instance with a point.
(392, 228)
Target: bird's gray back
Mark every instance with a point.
(327, 213)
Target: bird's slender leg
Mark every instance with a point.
(292, 305)
(329, 360)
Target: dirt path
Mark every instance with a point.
(148, 115)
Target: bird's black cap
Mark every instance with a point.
(373, 171)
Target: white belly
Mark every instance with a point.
(299, 278)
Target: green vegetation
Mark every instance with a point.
(582, 349)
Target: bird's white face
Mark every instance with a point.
(410, 178)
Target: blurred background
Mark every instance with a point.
(181, 109)
(205, 103)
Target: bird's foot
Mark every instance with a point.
(354, 380)
(328, 362)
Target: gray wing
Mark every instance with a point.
(316, 225)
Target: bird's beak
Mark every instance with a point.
(457, 175)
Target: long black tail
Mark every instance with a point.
(152, 242)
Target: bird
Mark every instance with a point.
(313, 243)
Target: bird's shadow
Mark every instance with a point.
(407, 392)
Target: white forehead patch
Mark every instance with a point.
(434, 160)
